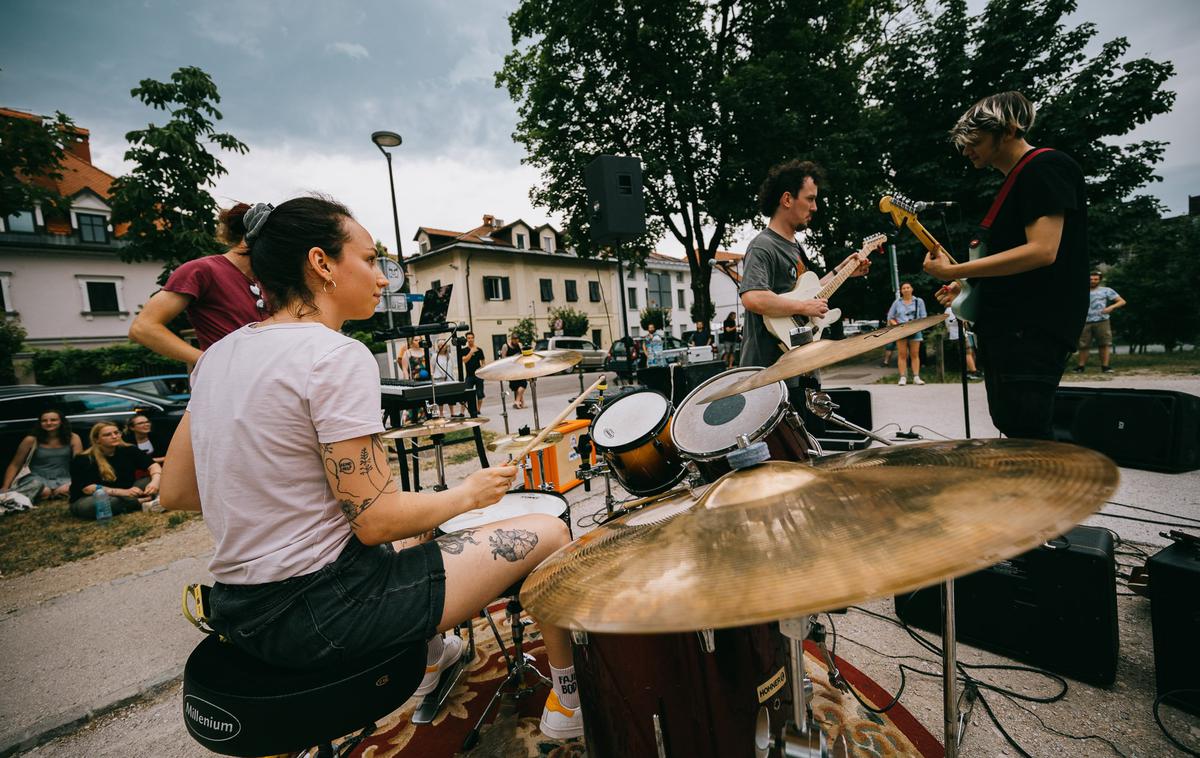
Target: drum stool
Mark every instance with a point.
(519, 664)
(234, 704)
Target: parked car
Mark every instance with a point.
(84, 405)
(592, 357)
(169, 386)
(851, 328)
(674, 350)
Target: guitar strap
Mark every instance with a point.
(1002, 195)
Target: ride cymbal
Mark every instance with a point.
(529, 365)
(434, 426)
(822, 353)
(783, 539)
(515, 443)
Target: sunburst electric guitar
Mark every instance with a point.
(809, 286)
(904, 215)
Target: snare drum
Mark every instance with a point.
(705, 432)
(633, 434)
(513, 504)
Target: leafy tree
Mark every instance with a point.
(12, 336)
(1159, 279)
(171, 216)
(575, 323)
(526, 330)
(702, 310)
(31, 153)
(654, 315)
(102, 364)
(709, 94)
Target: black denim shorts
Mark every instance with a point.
(370, 598)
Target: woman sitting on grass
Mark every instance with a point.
(111, 463)
(41, 467)
(137, 433)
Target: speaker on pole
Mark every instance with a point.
(617, 211)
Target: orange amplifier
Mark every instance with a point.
(562, 460)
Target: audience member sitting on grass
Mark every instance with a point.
(112, 464)
(137, 433)
(41, 467)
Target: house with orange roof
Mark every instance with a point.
(504, 272)
(61, 274)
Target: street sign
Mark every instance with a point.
(399, 304)
(394, 273)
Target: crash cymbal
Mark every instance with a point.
(529, 366)
(515, 443)
(783, 539)
(815, 355)
(433, 426)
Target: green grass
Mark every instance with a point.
(49, 535)
(1178, 363)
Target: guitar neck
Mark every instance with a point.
(838, 279)
(927, 239)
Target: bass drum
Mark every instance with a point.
(633, 435)
(705, 432)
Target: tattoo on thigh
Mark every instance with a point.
(455, 542)
(512, 544)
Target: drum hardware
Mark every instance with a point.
(708, 640)
(821, 405)
(579, 637)
(504, 405)
(431, 704)
(436, 429)
(658, 738)
(801, 736)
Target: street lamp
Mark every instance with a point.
(383, 140)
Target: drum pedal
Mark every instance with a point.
(432, 703)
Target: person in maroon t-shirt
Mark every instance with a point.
(219, 293)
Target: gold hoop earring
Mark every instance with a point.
(325, 286)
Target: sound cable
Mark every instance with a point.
(1102, 514)
(1151, 510)
(1166, 733)
(931, 431)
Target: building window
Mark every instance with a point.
(21, 221)
(522, 241)
(633, 297)
(102, 294)
(658, 289)
(6, 303)
(435, 284)
(547, 288)
(594, 292)
(423, 246)
(548, 242)
(496, 288)
(679, 303)
(92, 227)
(635, 331)
(572, 290)
(679, 276)
(596, 338)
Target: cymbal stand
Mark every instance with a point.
(439, 461)
(801, 737)
(504, 406)
(537, 425)
(821, 405)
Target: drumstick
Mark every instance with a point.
(546, 429)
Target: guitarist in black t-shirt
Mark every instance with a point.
(1031, 270)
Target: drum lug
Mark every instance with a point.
(579, 637)
(658, 738)
(693, 479)
(709, 639)
(798, 424)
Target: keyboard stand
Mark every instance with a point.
(404, 450)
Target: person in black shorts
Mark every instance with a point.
(516, 386)
(1031, 280)
(472, 360)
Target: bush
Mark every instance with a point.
(656, 316)
(12, 336)
(368, 339)
(575, 323)
(101, 364)
(525, 330)
(702, 310)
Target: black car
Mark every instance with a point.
(84, 405)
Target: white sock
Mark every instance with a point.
(434, 652)
(565, 687)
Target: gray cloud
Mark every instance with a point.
(348, 49)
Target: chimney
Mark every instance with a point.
(489, 220)
(77, 145)
(1194, 205)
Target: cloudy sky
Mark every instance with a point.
(304, 84)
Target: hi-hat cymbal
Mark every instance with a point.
(784, 539)
(433, 426)
(535, 364)
(822, 353)
(515, 443)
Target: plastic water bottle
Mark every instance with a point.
(103, 506)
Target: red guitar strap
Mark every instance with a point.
(1008, 183)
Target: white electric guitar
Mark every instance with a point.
(809, 286)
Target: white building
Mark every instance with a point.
(664, 282)
(722, 287)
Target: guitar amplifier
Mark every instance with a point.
(855, 406)
(1157, 430)
(1175, 616)
(1054, 607)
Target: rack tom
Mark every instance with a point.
(705, 432)
(633, 434)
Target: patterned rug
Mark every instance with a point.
(513, 731)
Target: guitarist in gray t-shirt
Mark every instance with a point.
(774, 259)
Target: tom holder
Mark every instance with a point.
(821, 405)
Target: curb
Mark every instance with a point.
(68, 721)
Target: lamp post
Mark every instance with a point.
(383, 140)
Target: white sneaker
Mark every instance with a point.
(560, 722)
(452, 650)
(918, 380)
(903, 381)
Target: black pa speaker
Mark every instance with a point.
(1175, 615)
(1157, 430)
(1053, 607)
(614, 188)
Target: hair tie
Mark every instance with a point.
(254, 219)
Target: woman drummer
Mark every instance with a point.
(280, 448)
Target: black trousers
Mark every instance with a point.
(1021, 371)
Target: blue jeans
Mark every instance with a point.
(1021, 371)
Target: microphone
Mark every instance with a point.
(934, 205)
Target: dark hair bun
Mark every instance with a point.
(232, 228)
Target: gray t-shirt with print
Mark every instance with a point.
(771, 263)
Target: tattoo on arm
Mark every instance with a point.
(359, 481)
(455, 542)
(512, 544)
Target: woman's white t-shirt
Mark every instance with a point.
(264, 401)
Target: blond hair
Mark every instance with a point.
(995, 115)
(107, 474)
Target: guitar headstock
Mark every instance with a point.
(872, 243)
(899, 207)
